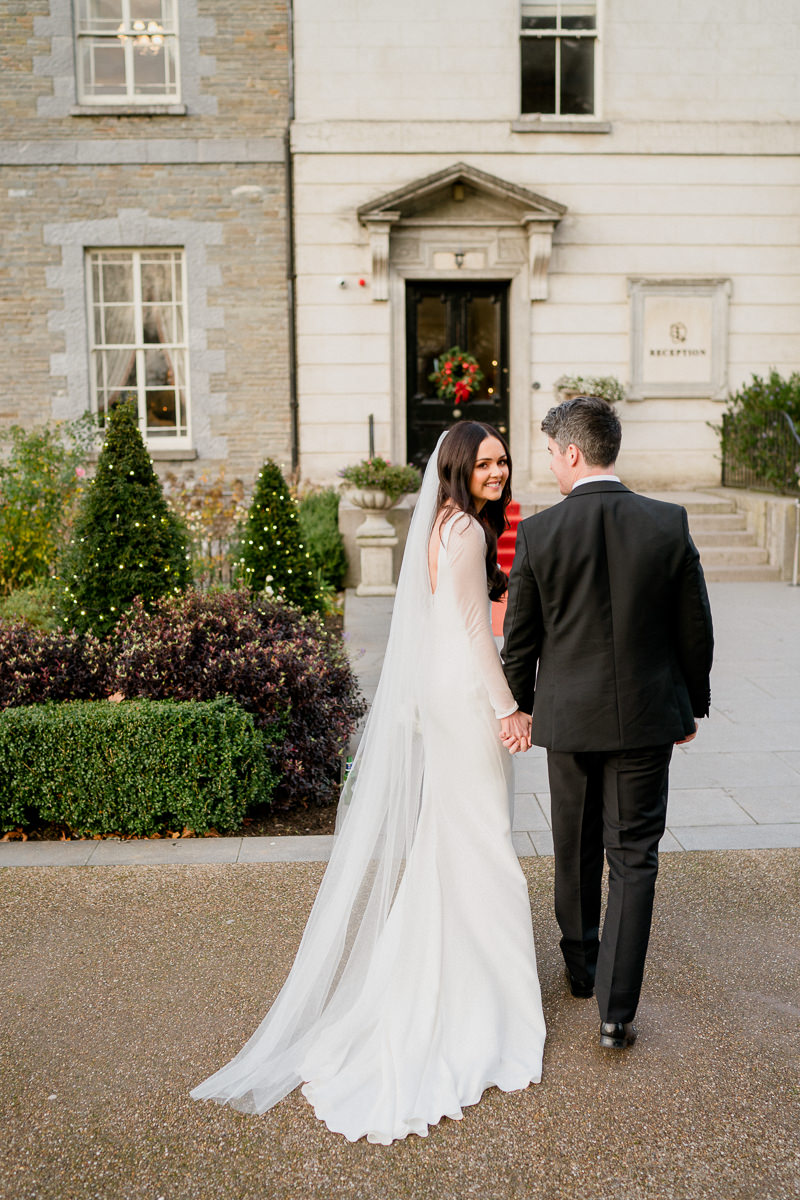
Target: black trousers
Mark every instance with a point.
(612, 801)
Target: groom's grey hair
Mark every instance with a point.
(589, 423)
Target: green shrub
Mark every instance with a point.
(126, 542)
(138, 767)
(753, 436)
(319, 521)
(272, 557)
(279, 664)
(31, 605)
(764, 394)
(41, 475)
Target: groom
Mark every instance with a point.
(608, 643)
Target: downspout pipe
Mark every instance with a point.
(291, 278)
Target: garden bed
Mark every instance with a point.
(296, 822)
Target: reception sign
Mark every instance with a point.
(679, 338)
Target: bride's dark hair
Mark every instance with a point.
(458, 454)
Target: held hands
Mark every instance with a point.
(515, 732)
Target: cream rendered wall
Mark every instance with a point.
(699, 176)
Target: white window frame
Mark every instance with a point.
(557, 34)
(130, 97)
(165, 440)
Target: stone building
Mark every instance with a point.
(592, 187)
(144, 202)
(601, 187)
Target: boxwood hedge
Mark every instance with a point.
(132, 768)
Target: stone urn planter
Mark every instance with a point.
(374, 485)
(376, 540)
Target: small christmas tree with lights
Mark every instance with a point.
(272, 556)
(125, 541)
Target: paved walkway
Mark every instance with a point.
(737, 786)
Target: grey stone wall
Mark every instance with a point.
(209, 178)
(234, 74)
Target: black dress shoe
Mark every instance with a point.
(582, 989)
(614, 1035)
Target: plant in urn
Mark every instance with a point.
(374, 485)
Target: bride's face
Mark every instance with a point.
(490, 472)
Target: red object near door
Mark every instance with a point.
(505, 557)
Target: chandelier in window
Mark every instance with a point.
(147, 36)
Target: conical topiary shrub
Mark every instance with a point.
(272, 556)
(125, 541)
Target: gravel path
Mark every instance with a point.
(121, 987)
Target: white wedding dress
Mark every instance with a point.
(430, 993)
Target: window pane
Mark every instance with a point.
(117, 281)
(157, 369)
(103, 66)
(538, 75)
(158, 324)
(120, 369)
(576, 14)
(100, 15)
(117, 326)
(539, 14)
(99, 385)
(156, 278)
(161, 411)
(431, 340)
(577, 75)
(483, 338)
(116, 378)
(160, 11)
(154, 69)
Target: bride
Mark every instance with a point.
(415, 986)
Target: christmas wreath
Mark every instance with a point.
(457, 377)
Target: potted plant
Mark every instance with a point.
(374, 485)
(607, 387)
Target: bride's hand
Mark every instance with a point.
(511, 743)
(515, 732)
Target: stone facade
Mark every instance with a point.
(688, 171)
(207, 175)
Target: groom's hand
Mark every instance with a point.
(515, 732)
(690, 737)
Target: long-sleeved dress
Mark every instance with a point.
(435, 996)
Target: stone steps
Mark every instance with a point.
(736, 573)
(728, 556)
(722, 537)
(728, 551)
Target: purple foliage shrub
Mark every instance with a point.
(38, 665)
(277, 663)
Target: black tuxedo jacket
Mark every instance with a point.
(608, 636)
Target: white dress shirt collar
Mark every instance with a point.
(596, 479)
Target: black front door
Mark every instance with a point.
(474, 317)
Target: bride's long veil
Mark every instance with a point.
(375, 827)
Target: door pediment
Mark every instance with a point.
(435, 197)
(459, 198)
